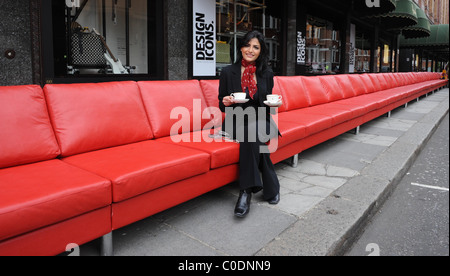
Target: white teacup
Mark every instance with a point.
(274, 99)
(239, 96)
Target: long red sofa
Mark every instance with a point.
(78, 161)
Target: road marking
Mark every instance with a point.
(430, 187)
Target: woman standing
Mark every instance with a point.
(251, 74)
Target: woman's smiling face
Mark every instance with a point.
(251, 51)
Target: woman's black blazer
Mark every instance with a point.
(230, 82)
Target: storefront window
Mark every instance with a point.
(362, 53)
(98, 38)
(234, 19)
(322, 47)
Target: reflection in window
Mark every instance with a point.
(322, 46)
(362, 53)
(107, 37)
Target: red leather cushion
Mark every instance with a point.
(161, 98)
(278, 91)
(90, 116)
(294, 95)
(346, 86)
(368, 101)
(291, 132)
(333, 89)
(222, 153)
(26, 134)
(339, 114)
(210, 89)
(382, 80)
(368, 84)
(40, 194)
(391, 81)
(313, 123)
(315, 91)
(358, 85)
(141, 167)
(375, 82)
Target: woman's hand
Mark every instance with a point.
(228, 101)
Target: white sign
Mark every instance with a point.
(301, 49)
(352, 50)
(204, 40)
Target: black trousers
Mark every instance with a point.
(256, 170)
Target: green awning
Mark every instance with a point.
(404, 15)
(385, 6)
(438, 39)
(421, 29)
(436, 45)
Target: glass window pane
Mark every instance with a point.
(323, 45)
(107, 37)
(235, 18)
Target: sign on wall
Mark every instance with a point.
(301, 48)
(352, 50)
(204, 37)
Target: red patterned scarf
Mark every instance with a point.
(248, 81)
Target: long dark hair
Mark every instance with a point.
(262, 61)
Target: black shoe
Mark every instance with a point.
(275, 200)
(243, 204)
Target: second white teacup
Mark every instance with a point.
(273, 99)
(239, 96)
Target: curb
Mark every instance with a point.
(331, 227)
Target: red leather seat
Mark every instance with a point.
(142, 167)
(291, 131)
(312, 123)
(40, 194)
(222, 152)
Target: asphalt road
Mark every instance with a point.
(414, 221)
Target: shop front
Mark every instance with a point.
(107, 40)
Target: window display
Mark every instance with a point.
(234, 19)
(322, 46)
(107, 37)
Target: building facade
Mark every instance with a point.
(66, 41)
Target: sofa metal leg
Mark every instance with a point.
(388, 114)
(294, 163)
(406, 105)
(357, 129)
(106, 247)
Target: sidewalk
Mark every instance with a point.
(325, 201)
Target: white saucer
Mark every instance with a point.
(278, 104)
(241, 101)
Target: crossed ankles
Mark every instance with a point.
(243, 204)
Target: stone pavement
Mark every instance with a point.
(325, 200)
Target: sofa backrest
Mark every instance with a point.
(210, 89)
(359, 87)
(92, 116)
(346, 85)
(332, 87)
(183, 100)
(315, 91)
(293, 92)
(26, 135)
